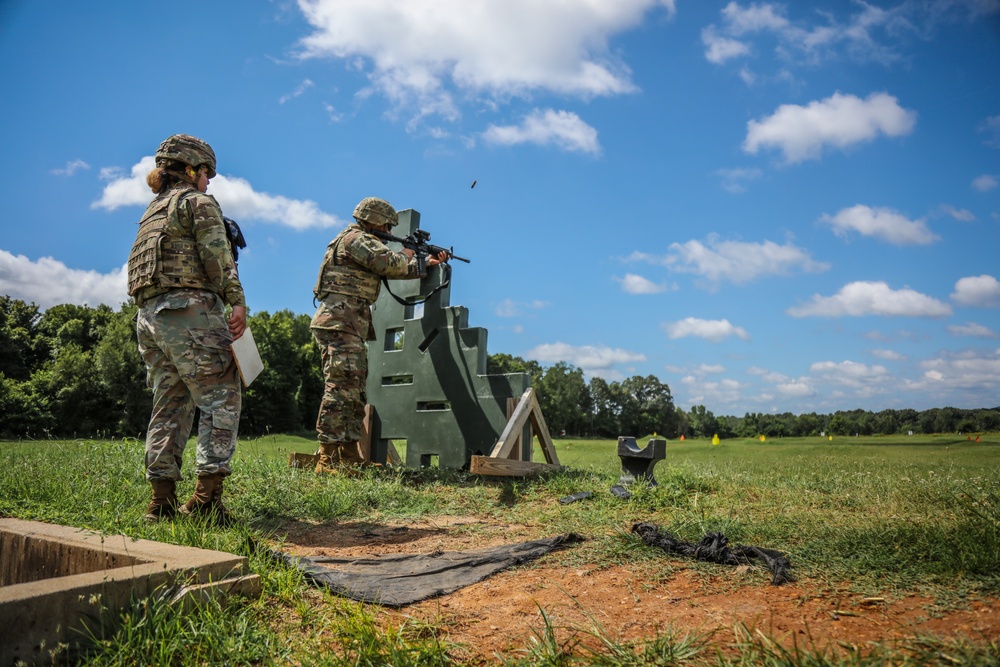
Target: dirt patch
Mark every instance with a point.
(499, 614)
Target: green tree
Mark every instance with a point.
(703, 422)
(647, 406)
(839, 425)
(564, 399)
(80, 407)
(67, 323)
(123, 374)
(277, 400)
(926, 421)
(729, 427)
(683, 423)
(604, 409)
(946, 420)
(809, 424)
(18, 338)
(24, 410)
(499, 364)
(886, 422)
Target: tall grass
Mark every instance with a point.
(887, 514)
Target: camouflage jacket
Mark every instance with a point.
(182, 243)
(348, 281)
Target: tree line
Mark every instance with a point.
(75, 371)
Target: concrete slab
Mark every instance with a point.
(59, 584)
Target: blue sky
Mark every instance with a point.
(771, 207)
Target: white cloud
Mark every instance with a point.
(782, 384)
(985, 183)
(239, 200)
(795, 389)
(71, 168)
(236, 196)
(872, 298)
(713, 330)
(634, 284)
(735, 180)
(331, 111)
(756, 18)
(735, 261)
(868, 35)
(972, 329)
(883, 223)
(840, 121)
(991, 126)
(420, 51)
(49, 282)
(696, 373)
(719, 49)
(562, 129)
(971, 370)
(888, 355)
(715, 394)
(125, 190)
(511, 308)
(766, 375)
(302, 87)
(586, 357)
(849, 373)
(977, 291)
(960, 214)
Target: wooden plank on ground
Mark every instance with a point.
(489, 465)
(298, 460)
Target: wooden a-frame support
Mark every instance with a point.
(505, 457)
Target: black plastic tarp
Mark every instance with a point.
(396, 580)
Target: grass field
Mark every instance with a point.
(897, 514)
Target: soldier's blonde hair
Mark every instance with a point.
(164, 176)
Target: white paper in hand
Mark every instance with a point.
(247, 357)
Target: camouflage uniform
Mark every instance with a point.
(181, 275)
(348, 284)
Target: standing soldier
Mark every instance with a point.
(348, 284)
(182, 275)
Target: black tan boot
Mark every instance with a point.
(219, 512)
(350, 454)
(164, 502)
(329, 457)
(200, 502)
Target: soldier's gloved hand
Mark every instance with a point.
(434, 260)
(238, 321)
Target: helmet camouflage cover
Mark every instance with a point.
(376, 212)
(187, 149)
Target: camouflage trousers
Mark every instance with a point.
(345, 372)
(184, 341)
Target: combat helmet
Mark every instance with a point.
(376, 212)
(187, 149)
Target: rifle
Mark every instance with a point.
(418, 243)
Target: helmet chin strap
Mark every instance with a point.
(183, 175)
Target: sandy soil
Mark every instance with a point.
(498, 615)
